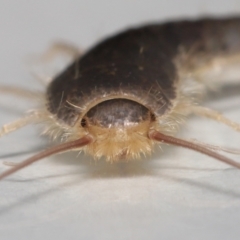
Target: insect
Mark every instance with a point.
(134, 90)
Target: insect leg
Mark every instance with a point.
(20, 92)
(59, 48)
(13, 126)
(215, 115)
(46, 66)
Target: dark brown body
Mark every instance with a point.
(138, 64)
(133, 90)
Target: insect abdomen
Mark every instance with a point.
(138, 65)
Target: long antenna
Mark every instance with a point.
(157, 136)
(48, 152)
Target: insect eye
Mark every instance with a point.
(152, 117)
(83, 122)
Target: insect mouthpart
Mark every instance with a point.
(120, 128)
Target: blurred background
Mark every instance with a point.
(177, 194)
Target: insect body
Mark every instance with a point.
(134, 89)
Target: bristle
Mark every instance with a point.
(118, 143)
